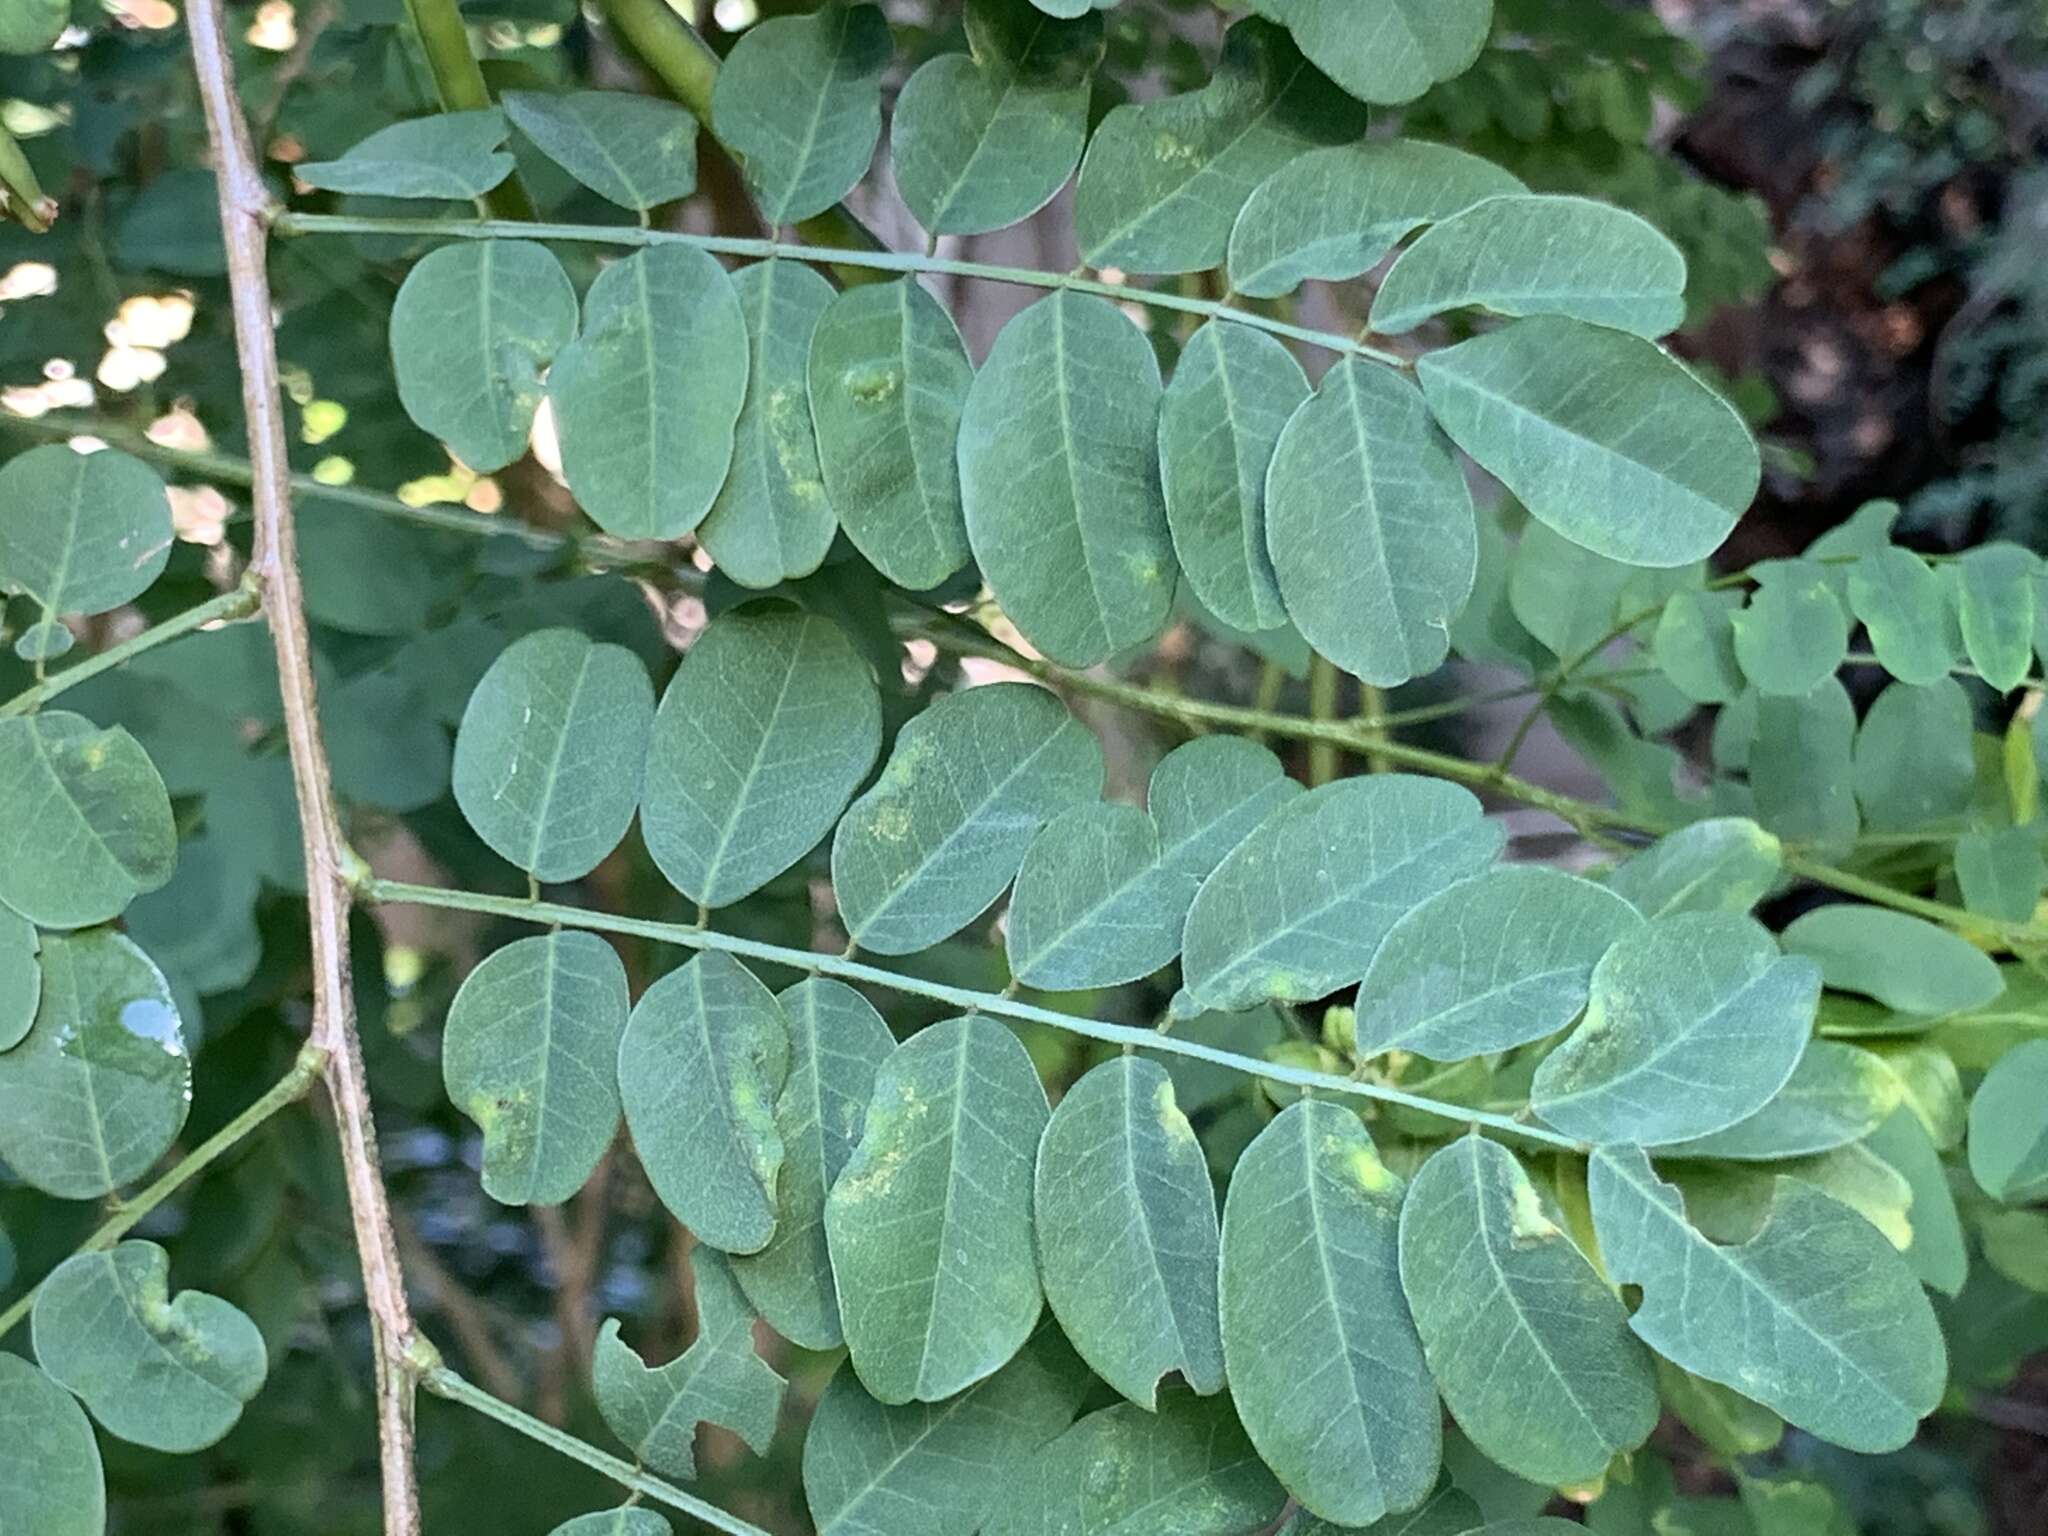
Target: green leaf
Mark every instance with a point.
(888, 381)
(1914, 761)
(934, 1469)
(2009, 1126)
(1837, 1094)
(21, 978)
(1793, 634)
(633, 150)
(930, 1221)
(616, 1522)
(1447, 1512)
(170, 1373)
(646, 400)
(1905, 962)
(2001, 872)
(1816, 1316)
(33, 26)
(1600, 434)
(2016, 1246)
(1801, 767)
(1529, 1347)
(1495, 961)
(1187, 1470)
(474, 327)
(1726, 1421)
(50, 1477)
(531, 1054)
(717, 1380)
(1335, 213)
(1695, 1022)
(983, 139)
(1127, 1233)
(98, 1090)
(1995, 600)
(1939, 1254)
(1538, 255)
(1231, 394)
(1298, 908)
(705, 1055)
(1207, 795)
(1695, 646)
(971, 780)
(1094, 905)
(1725, 864)
(1323, 1360)
(1059, 476)
(449, 156)
(84, 818)
(837, 1043)
(1164, 180)
(766, 730)
(1395, 50)
(772, 520)
(1371, 526)
(84, 532)
(799, 101)
(549, 759)
(1902, 602)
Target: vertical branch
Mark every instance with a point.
(459, 82)
(330, 865)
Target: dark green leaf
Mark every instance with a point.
(50, 1478)
(1726, 864)
(2001, 872)
(84, 532)
(1793, 634)
(1837, 1094)
(1094, 904)
(21, 979)
(449, 156)
(84, 819)
(2009, 1126)
(633, 150)
(1939, 1254)
(1904, 962)
(1801, 767)
(1447, 1512)
(1995, 600)
(1208, 794)
(1386, 51)
(616, 1522)
(1695, 646)
(1905, 607)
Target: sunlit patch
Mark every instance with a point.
(546, 441)
(28, 120)
(27, 280)
(735, 15)
(151, 320)
(918, 657)
(335, 470)
(276, 27)
(179, 428)
(148, 15)
(126, 368)
(199, 514)
(484, 496)
(320, 420)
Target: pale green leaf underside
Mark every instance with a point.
(1094, 904)
(1724, 864)
(1538, 255)
(768, 727)
(1905, 962)
(647, 399)
(971, 780)
(2009, 1126)
(1816, 1316)
(450, 156)
(83, 532)
(1793, 633)
(1127, 1232)
(717, 1380)
(929, 1224)
(1528, 1345)
(51, 1482)
(837, 1044)
(1694, 646)
(1695, 1021)
(634, 150)
(1164, 180)
(1600, 434)
(1207, 795)
(1323, 1360)
(169, 1373)
(888, 382)
(1495, 961)
(1334, 213)
(1393, 52)
(99, 1089)
(549, 758)
(1059, 479)
(85, 821)
(1836, 1095)
(1370, 525)
(934, 1469)
(531, 1054)
(475, 325)
(1297, 909)
(703, 1060)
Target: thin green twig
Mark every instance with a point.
(238, 603)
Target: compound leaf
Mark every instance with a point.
(1127, 1232)
(646, 400)
(169, 1373)
(1600, 434)
(99, 1089)
(929, 1224)
(704, 1057)
(1370, 526)
(1695, 1021)
(473, 328)
(766, 730)
(449, 157)
(1529, 1347)
(1495, 961)
(1723, 864)
(51, 1481)
(888, 381)
(942, 832)
(1323, 1359)
(1905, 962)
(1059, 478)
(85, 822)
(1816, 1316)
(2009, 1126)
(550, 755)
(634, 150)
(84, 532)
(531, 1054)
